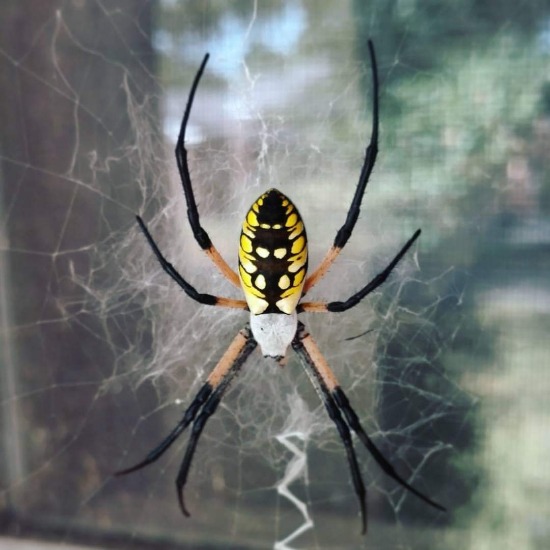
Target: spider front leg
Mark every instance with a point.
(344, 233)
(201, 408)
(200, 234)
(336, 403)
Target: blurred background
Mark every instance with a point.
(100, 352)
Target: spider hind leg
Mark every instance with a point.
(337, 403)
(202, 408)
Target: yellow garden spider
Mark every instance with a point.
(272, 274)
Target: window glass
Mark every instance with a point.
(102, 352)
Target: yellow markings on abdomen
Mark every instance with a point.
(259, 282)
(284, 282)
(298, 244)
(246, 243)
(273, 255)
(262, 252)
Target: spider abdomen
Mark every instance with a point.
(272, 255)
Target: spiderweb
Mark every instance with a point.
(102, 352)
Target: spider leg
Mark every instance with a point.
(344, 233)
(200, 234)
(353, 420)
(202, 407)
(165, 444)
(207, 299)
(220, 379)
(208, 410)
(337, 307)
(321, 385)
(312, 358)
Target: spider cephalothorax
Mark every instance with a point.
(273, 276)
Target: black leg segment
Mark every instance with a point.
(353, 420)
(207, 299)
(202, 407)
(344, 233)
(335, 415)
(344, 417)
(188, 417)
(207, 411)
(201, 236)
(338, 307)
